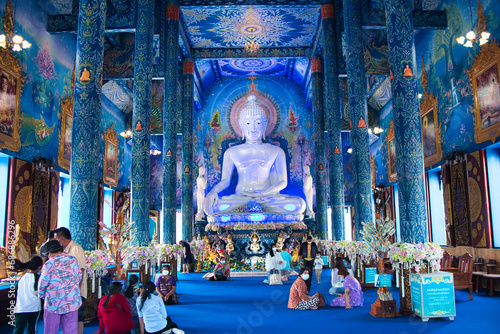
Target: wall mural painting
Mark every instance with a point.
(110, 174)
(11, 85)
(391, 145)
(485, 82)
(65, 133)
(431, 132)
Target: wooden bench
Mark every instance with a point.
(462, 276)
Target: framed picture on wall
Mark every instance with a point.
(11, 84)
(391, 158)
(431, 132)
(110, 163)
(65, 134)
(485, 77)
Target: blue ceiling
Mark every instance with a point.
(234, 26)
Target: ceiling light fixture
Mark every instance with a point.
(9, 39)
(126, 134)
(252, 47)
(470, 38)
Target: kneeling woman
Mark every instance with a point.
(352, 296)
(299, 300)
(152, 314)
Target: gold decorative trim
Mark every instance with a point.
(488, 57)
(393, 176)
(11, 68)
(66, 114)
(110, 159)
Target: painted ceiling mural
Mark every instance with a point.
(269, 26)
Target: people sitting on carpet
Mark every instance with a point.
(131, 293)
(114, 313)
(337, 284)
(299, 299)
(28, 305)
(221, 271)
(166, 286)
(187, 257)
(285, 272)
(352, 296)
(152, 314)
(318, 266)
(274, 262)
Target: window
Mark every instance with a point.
(107, 210)
(4, 185)
(493, 168)
(347, 223)
(436, 201)
(63, 203)
(396, 211)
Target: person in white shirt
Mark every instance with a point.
(318, 266)
(274, 262)
(152, 314)
(28, 305)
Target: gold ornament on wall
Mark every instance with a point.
(485, 79)
(391, 153)
(431, 131)
(110, 165)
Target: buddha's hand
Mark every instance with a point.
(211, 201)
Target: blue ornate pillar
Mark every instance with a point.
(187, 151)
(356, 82)
(332, 111)
(141, 120)
(87, 123)
(170, 121)
(319, 149)
(406, 115)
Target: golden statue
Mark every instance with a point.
(407, 71)
(255, 246)
(280, 242)
(85, 75)
(230, 245)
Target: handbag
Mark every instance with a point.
(275, 279)
(322, 301)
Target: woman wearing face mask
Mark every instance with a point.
(299, 300)
(166, 286)
(221, 271)
(274, 262)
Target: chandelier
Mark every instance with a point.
(471, 37)
(9, 39)
(252, 47)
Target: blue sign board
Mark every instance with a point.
(433, 295)
(384, 280)
(370, 273)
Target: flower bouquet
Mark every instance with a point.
(97, 261)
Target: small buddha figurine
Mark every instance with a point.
(308, 191)
(85, 75)
(201, 184)
(407, 71)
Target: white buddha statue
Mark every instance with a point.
(261, 168)
(308, 191)
(201, 184)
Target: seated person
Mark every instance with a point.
(352, 296)
(299, 300)
(337, 284)
(166, 286)
(113, 312)
(131, 293)
(221, 271)
(152, 314)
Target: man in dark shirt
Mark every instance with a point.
(187, 257)
(307, 252)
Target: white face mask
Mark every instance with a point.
(274, 249)
(309, 242)
(223, 262)
(165, 272)
(305, 277)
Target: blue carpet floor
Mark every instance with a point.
(247, 306)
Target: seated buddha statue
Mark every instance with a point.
(262, 171)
